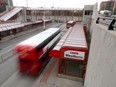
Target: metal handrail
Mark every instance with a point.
(111, 25)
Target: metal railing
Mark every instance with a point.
(111, 22)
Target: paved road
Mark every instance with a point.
(8, 70)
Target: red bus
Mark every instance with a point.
(33, 53)
(70, 24)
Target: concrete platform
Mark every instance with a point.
(53, 80)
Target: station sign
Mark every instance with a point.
(74, 54)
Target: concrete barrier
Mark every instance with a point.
(6, 54)
(101, 68)
(1, 59)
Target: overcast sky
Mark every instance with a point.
(55, 3)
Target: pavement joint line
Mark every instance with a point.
(48, 72)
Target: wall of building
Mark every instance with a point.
(55, 14)
(94, 17)
(107, 5)
(87, 18)
(101, 68)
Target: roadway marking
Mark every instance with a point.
(48, 72)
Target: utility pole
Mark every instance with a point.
(114, 7)
(27, 2)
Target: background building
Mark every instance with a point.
(108, 5)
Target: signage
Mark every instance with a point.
(74, 54)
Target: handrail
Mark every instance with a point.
(105, 20)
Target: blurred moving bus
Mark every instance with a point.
(33, 53)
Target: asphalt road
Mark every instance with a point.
(7, 68)
(9, 76)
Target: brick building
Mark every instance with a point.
(107, 5)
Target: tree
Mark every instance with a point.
(3, 6)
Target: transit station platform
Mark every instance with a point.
(49, 78)
(71, 52)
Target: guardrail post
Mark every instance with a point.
(97, 21)
(111, 24)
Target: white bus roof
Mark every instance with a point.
(39, 38)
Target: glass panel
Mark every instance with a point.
(71, 67)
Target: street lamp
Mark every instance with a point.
(43, 19)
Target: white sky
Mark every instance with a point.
(56, 3)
